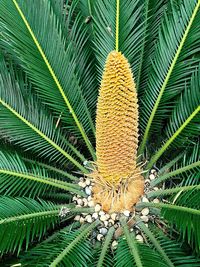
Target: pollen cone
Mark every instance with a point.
(117, 136)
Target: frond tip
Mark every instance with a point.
(117, 131)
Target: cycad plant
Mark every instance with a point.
(99, 132)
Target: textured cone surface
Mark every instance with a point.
(117, 121)
(118, 181)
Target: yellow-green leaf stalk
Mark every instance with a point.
(118, 180)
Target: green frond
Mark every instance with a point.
(148, 256)
(51, 169)
(183, 125)
(154, 241)
(184, 212)
(73, 250)
(172, 65)
(152, 17)
(175, 250)
(23, 220)
(127, 35)
(104, 258)
(187, 166)
(18, 180)
(54, 78)
(24, 122)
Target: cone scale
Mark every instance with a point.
(118, 182)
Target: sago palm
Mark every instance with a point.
(99, 130)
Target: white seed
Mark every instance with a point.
(88, 191)
(80, 201)
(103, 218)
(101, 213)
(146, 224)
(97, 208)
(103, 231)
(106, 223)
(107, 216)
(87, 181)
(78, 206)
(151, 176)
(144, 199)
(78, 196)
(95, 215)
(144, 218)
(82, 184)
(139, 238)
(90, 187)
(153, 171)
(85, 202)
(131, 229)
(114, 244)
(88, 218)
(74, 198)
(82, 220)
(77, 218)
(126, 213)
(84, 214)
(99, 237)
(113, 216)
(147, 181)
(91, 203)
(145, 211)
(155, 188)
(156, 200)
(112, 221)
(89, 198)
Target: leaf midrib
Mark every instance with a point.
(79, 125)
(30, 216)
(64, 153)
(48, 181)
(173, 64)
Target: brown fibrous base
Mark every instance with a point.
(118, 197)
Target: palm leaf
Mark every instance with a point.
(24, 122)
(153, 11)
(23, 220)
(185, 214)
(18, 180)
(104, 258)
(148, 257)
(175, 251)
(73, 250)
(54, 81)
(117, 26)
(185, 168)
(172, 64)
(154, 241)
(184, 122)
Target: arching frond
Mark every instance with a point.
(173, 63)
(73, 249)
(17, 179)
(54, 78)
(184, 212)
(24, 122)
(23, 220)
(183, 125)
(127, 34)
(175, 250)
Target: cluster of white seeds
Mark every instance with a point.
(109, 220)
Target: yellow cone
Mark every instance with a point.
(117, 131)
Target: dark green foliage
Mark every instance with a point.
(52, 55)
